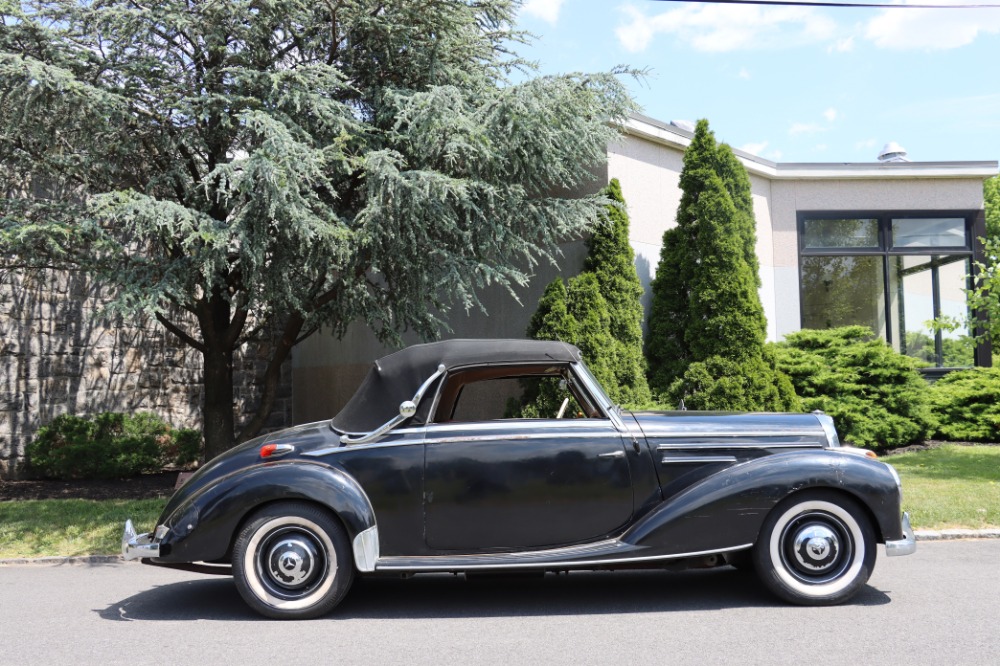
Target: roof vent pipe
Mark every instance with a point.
(893, 152)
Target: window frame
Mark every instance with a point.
(975, 231)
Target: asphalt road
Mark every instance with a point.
(940, 606)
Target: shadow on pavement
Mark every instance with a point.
(448, 596)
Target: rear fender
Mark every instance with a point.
(217, 512)
(726, 510)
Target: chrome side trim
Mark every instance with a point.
(508, 424)
(138, 546)
(330, 450)
(511, 561)
(366, 549)
(715, 434)
(737, 445)
(685, 460)
(475, 438)
(905, 546)
(517, 437)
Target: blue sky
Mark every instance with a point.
(794, 84)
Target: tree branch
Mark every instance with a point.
(184, 337)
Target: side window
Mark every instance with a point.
(490, 394)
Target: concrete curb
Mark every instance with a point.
(921, 535)
(948, 535)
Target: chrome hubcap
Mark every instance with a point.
(292, 561)
(816, 547)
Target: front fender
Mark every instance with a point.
(726, 510)
(204, 526)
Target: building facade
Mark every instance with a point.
(887, 245)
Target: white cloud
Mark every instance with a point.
(821, 147)
(930, 29)
(754, 148)
(867, 144)
(744, 74)
(720, 28)
(830, 114)
(547, 10)
(775, 155)
(842, 45)
(805, 128)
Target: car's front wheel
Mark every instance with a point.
(291, 561)
(816, 548)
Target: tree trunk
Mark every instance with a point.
(217, 403)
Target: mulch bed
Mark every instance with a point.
(147, 486)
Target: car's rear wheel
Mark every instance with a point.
(816, 548)
(292, 561)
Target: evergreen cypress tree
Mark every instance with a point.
(612, 262)
(667, 349)
(590, 313)
(707, 327)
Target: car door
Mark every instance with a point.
(524, 484)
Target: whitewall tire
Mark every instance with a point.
(816, 548)
(291, 560)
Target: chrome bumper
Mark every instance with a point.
(905, 546)
(138, 546)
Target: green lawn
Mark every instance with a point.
(40, 528)
(951, 486)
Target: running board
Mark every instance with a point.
(598, 555)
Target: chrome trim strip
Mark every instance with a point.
(366, 549)
(521, 437)
(905, 546)
(709, 434)
(682, 460)
(467, 562)
(330, 450)
(738, 445)
(475, 438)
(612, 454)
(507, 424)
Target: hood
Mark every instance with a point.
(696, 425)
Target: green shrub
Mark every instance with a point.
(967, 405)
(875, 395)
(184, 449)
(109, 445)
(726, 385)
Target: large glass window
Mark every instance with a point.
(894, 273)
(843, 291)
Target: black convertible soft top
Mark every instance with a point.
(397, 377)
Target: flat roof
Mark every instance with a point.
(671, 135)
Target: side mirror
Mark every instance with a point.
(407, 409)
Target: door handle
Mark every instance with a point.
(612, 454)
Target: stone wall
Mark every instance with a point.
(59, 354)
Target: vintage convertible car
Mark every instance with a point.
(422, 472)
